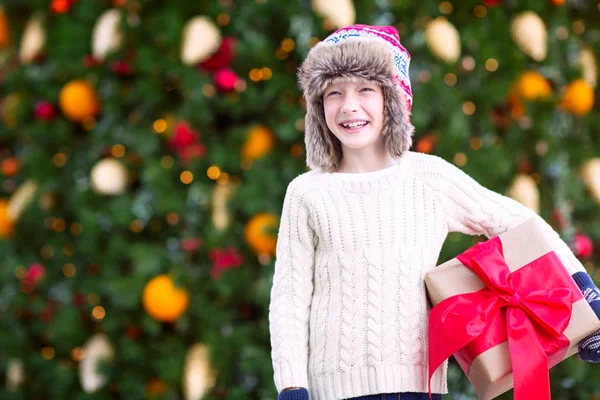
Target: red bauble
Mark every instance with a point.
(492, 3)
(583, 245)
(121, 67)
(224, 259)
(190, 245)
(183, 136)
(45, 110)
(225, 79)
(133, 332)
(89, 61)
(222, 58)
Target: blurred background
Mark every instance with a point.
(146, 146)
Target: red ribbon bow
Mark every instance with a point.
(530, 307)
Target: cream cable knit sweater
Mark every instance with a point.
(348, 314)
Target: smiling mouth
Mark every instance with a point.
(354, 125)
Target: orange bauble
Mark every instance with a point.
(78, 101)
(163, 301)
(260, 141)
(261, 233)
(6, 223)
(532, 85)
(578, 98)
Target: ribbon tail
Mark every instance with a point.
(454, 323)
(528, 358)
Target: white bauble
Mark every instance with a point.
(590, 172)
(15, 374)
(525, 191)
(33, 39)
(109, 176)
(21, 198)
(201, 39)
(96, 350)
(530, 34)
(341, 13)
(589, 66)
(443, 40)
(198, 374)
(107, 35)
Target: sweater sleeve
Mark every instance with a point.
(291, 292)
(472, 209)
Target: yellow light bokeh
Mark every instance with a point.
(78, 354)
(213, 172)
(480, 11)
(48, 353)
(445, 7)
(266, 73)
(469, 108)
(460, 159)
(136, 226)
(20, 272)
(59, 160)
(47, 251)
(578, 27)
(167, 162)
(68, 270)
(68, 249)
(93, 299)
(186, 177)
(160, 126)
(172, 218)
(288, 44)
(76, 228)
(118, 150)
(255, 74)
(223, 19)
(476, 143)
(209, 90)
(59, 225)
(491, 64)
(98, 312)
(450, 79)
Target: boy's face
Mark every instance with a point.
(354, 113)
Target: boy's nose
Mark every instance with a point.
(350, 105)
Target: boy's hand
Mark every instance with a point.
(589, 348)
(293, 393)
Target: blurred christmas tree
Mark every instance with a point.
(146, 147)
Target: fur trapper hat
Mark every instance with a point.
(356, 53)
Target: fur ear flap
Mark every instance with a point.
(323, 149)
(397, 130)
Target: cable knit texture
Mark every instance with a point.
(348, 314)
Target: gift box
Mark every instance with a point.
(508, 310)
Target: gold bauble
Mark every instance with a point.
(163, 301)
(260, 141)
(78, 100)
(258, 236)
(578, 98)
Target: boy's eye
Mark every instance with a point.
(332, 93)
(366, 88)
